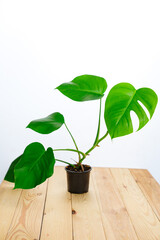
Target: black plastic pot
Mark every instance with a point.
(78, 182)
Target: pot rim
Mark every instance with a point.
(78, 172)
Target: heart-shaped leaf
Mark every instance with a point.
(48, 124)
(32, 168)
(10, 173)
(122, 99)
(84, 88)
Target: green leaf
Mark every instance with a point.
(10, 173)
(48, 124)
(122, 99)
(84, 88)
(34, 167)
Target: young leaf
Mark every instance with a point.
(122, 99)
(34, 167)
(84, 88)
(48, 124)
(10, 173)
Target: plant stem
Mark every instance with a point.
(86, 153)
(97, 135)
(99, 122)
(105, 135)
(64, 162)
(69, 149)
(73, 141)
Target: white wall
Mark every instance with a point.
(45, 43)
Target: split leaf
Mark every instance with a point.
(121, 100)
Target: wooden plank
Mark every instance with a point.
(87, 223)
(149, 187)
(8, 202)
(143, 218)
(26, 223)
(57, 221)
(115, 218)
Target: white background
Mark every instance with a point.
(46, 43)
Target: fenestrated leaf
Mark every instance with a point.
(84, 88)
(122, 99)
(10, 173)
(34, 167)
(48, 124)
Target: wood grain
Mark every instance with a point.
(8, 202)
(57, 221)
(115, 219)
(144, 220)
(121, 204)
(26, 223)
(149, 187)
(87, 222)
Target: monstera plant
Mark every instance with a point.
(36, 164)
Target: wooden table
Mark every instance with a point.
(122, 204)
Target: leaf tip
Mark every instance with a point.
(28, 126)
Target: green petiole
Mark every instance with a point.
(72, 150)
(64, 162)
(73, 141)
